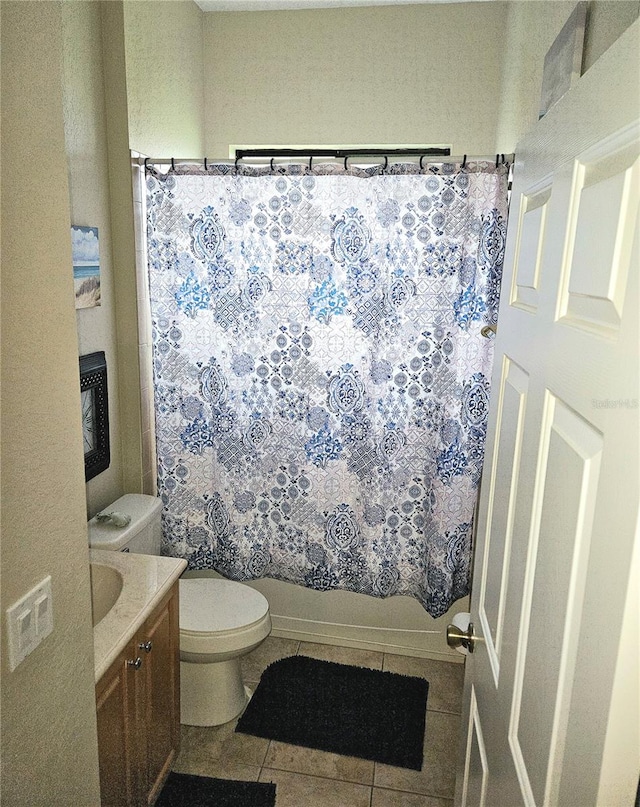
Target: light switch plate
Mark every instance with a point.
(43, 614)
(29, 621)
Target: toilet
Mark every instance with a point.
(220, 620)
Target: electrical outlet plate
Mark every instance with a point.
(29, 621)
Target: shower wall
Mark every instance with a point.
(381, 74)
(463, 74)
(165, 82)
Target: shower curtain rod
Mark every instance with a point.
(342, 153)
(272, 154)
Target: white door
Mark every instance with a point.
(551, 712)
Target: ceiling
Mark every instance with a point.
(275, 5)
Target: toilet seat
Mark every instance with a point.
(220, 617)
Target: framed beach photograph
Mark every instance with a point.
(85, 251)
(563, 62)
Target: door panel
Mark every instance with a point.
(604, 203)
(556, 654)
(530, 241)
(511, 405)
(547, 652)
(476, 771)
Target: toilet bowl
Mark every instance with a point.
(220, 620)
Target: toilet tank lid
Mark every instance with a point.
(142, 508)
(209, 605)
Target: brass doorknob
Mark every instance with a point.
(460, 638)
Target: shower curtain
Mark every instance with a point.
(321, 382)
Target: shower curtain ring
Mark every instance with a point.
(146, 167)
(173, 165)
(205, 163)
(422, 156)
(238, 157)
(386, 163)
(272, 165)
(346, 157)
(310, 162)
(464, 161)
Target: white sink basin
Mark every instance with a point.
(125, 588)
(106, 585)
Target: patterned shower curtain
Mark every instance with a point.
(321, 382)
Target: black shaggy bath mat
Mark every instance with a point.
(340, 708)
(184, 790)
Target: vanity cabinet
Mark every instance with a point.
(138, 708)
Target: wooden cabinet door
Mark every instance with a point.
(161, 665)
(117, 703)
(138, 709)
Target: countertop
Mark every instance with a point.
(146, 579)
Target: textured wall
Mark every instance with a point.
(49, 744)
(123, 241)
(152, 102)
(606, 21)
(86, 145)
(531, 29)
(465, 74)
(392, 75)
(165, 77)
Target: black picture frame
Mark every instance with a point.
(95, 413)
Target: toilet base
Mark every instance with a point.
(211, 694)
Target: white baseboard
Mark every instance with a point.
(417, 643)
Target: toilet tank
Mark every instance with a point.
(142, 535)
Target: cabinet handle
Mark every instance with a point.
(135, 663)
(146, 646)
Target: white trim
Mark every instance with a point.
(302, 5)
(418, 644)
(149, 461)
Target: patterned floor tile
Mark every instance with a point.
(318, 763)
(394, 798)
(445, 679)
(298, 790)
(310, 778)
(219, 748)
(272, 649)
(438, 774)
(342, 655)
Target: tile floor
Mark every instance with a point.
(308, 778)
